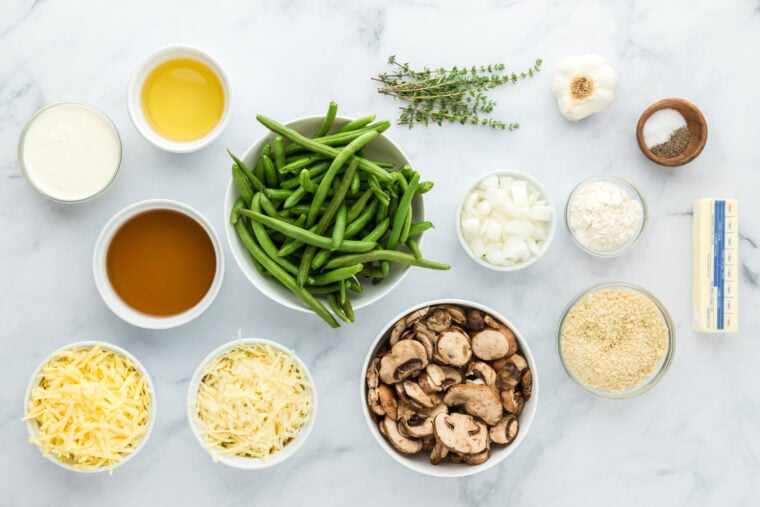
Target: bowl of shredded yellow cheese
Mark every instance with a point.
(251, 403)
(90, 407)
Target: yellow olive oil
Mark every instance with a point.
(183, 99)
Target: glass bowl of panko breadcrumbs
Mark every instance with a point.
(616, 340)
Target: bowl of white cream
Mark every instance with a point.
(69, 152)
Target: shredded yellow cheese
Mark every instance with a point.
(91, 407)
(252, 401)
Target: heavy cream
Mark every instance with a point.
(70, 151)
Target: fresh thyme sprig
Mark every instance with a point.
(455, 95)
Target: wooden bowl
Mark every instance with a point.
(695, 121)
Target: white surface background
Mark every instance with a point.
(693, 440)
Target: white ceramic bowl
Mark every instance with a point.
(549, 237)
(22, 162)
(381, 148)
(240, 461)
(420, 462)
(134, 97)
(632, 191)
(33, 427)
(115, 303)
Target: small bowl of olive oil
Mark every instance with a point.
(179, 99)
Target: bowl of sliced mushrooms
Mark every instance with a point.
(449, 388)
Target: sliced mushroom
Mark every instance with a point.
(456, 458)
(431, 381)
(477, 400)
(373, 395)
(505, 430)
(490, 322)
(461, 433)
(490, 344)
(388, 402)
(417, 394)
(405, 359)
(428, 443)
(475, 320)
(526, 384)
(426, 342)
(519, 361)
(439, 320)
(513, 401)
(439, 453)
(508, 377)
(453, 376)
(480, 373)
(453, 347)
(479, 458)
(420, 424)
(405, 322)
(457, 314)
(402, 444)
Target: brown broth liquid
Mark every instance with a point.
(161, 262)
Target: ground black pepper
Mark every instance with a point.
(675, 145)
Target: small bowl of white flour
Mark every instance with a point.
(606, 215)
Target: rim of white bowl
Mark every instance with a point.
(238, 461)
(34, 431)
(22, 141)
(420, 462)
(264, 285)
(134, 91)
(108, 294)
(552, 225)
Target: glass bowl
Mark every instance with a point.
(660, 369)
(632, 192)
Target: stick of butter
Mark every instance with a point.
(715, 242)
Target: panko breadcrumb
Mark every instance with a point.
(613, 339)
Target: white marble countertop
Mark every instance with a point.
(693, 440)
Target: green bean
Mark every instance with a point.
(356, 182)
(371, 272)
(316, 147)
(268, 208)
(357, 208)
(407, 171)
(294, 198)
(383, 255)
(323, 289)
(306, 182)
(380, 229)
(259, 169)
(348, 310)
(342, 292)
(303, 209)
(414, 248)
(241, 183)
(382, 210)
(419, 227)
(308, 237)
(234, 217)
(300, 163)
(339, 139)
(356, 124)
(385, 267)
(383, 165)
(339, 229)
(406, 227)
(287, 246)
(356, 226)
(270, 175)
(277, 193)
(314, 171)
(343, 157)
(424, 187)
(354, 285)
(332, 110)
(255, 182)
(283, 276)
(337, 274)
(404, 207)
(336, 308)
(279, 152)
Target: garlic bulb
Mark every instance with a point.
(584, 85)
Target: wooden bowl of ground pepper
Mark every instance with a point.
(683, 143)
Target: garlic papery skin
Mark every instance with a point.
(584, 85)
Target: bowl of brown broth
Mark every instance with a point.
(158, 264)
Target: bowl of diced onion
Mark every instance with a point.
(506, 221)
(251, 403)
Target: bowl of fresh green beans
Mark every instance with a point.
(325, 214)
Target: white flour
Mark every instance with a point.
(603, 216)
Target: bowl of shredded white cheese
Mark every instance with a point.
(251, 403)
(90, 407)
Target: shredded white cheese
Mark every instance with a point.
(91, 406)
(252, 401)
